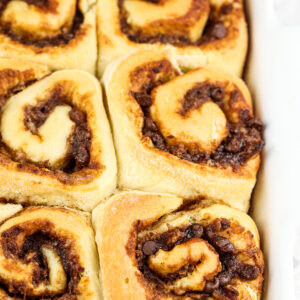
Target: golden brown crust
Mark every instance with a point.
(70, 33)
(199, 32)
(31, 170)
(131, 217)
(47, 252)
(147, 162)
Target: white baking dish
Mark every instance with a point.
(273, 75)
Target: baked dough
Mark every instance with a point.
(60, 34)
(56, 144)
(199, 32)
(186, 134)
(140, 235)
(48, 252)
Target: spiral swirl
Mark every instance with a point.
(199, 32)
(196, 128)
(192, 251)
(55, 141)
(195, 258)
(33, 137)
(47, 22)
(43, 256)
(55, 33)
(209, 114)
(207, 117)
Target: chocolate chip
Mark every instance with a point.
(224, 278)
(197, 230)
(232, 263)
(218, 30)
(223, 244)
(217, 93)
(209, 231)
(226, 9)
(225, 224)
(143, 99)
(248, 272)
(150, 124)
(150, 247)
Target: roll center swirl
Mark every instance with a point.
(37, 261)
(195, 252)
(197, 121)
(193, 259)
(40, 23)
(196, 117)
(50, 131)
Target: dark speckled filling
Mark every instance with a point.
(33, 244)
(244, 140)
(232, 267)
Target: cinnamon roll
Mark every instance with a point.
(162, 249)
(193, 134)
(56, 146)
(199, 32)
(58, 33)
(48, 253)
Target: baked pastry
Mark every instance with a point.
(56, 146)
(193, 135)
(60, 34)
(199, 32)
(160, 249)
(48, 253)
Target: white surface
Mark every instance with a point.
(287, 11)
(274, 78)
(297, 264)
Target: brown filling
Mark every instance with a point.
(30, 251)
(80, 141)
(244, 139)
(78, 156)
(215, 29)
(10, 75)
(232, 267)
(62, 39)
